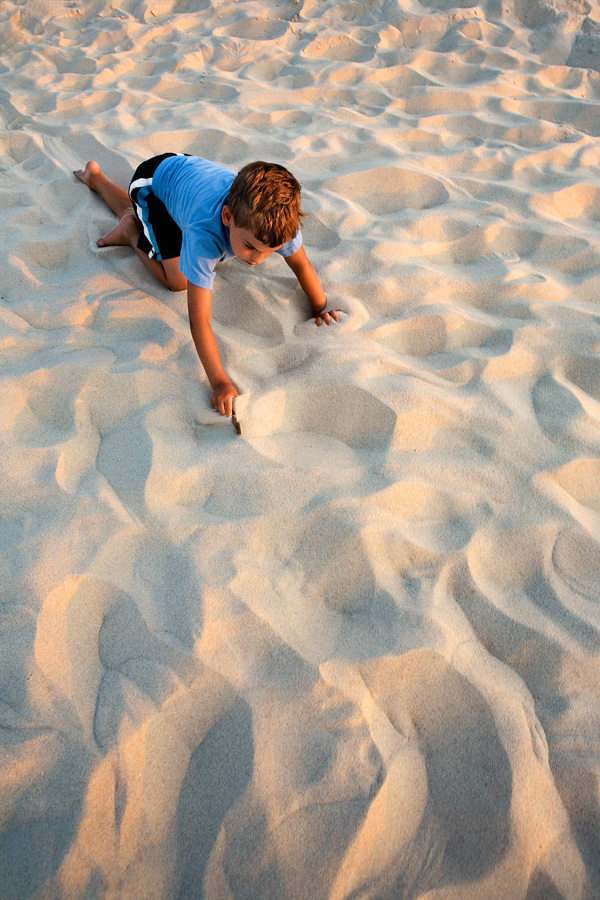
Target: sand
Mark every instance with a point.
(355, 652)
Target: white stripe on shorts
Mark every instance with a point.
(140, 183)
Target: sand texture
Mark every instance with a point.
(353, 654)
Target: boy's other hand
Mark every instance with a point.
(222, 397)
(327, 317)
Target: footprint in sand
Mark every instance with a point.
(349, 585)
(445, 5)
(316, 234)
(255, 28)
(83, 105)
(585, 52)
(513, 569)
(42, 256)
(42, 412)
(211, 143)
(156, 716)
(579, 114)
(320, 426)
(339, 47)
(581, 375)
(421, 512)
(579, 201)
(125, 459)
(576, 486)
(428, 335)
(556, 406)
(388, 190)
(454, 779)
(20, 148)
(576, 559)
(255, 316)
(316, 769)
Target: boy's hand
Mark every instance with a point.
(327, 317)
(222, 397)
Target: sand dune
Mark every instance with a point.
(354, 653)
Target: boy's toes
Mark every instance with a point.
(86, 175)
(125, 233)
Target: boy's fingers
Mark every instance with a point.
(223, 404)
(327, 317)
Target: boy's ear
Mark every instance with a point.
(226, 216)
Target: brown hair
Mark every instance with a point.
(265, 199)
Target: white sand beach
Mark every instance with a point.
(353, 653)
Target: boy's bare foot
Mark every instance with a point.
(124, 234)
(87, 175)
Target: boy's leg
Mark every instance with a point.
(115, 197)
(127, 231)
(167, 270)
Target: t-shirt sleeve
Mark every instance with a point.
(290, 248)
(198, 269)
(202, 273)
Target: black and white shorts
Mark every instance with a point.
(160, 235)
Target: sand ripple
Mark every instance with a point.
(353, 653)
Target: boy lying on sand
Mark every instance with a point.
(183, 215)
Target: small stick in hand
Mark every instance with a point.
(236, 422)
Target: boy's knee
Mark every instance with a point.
(177, 283)
(175, 280)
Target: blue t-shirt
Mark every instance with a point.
(194, 191)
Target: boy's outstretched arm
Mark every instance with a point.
(308, 280)
(200, 312)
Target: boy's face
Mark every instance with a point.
(243, 243)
